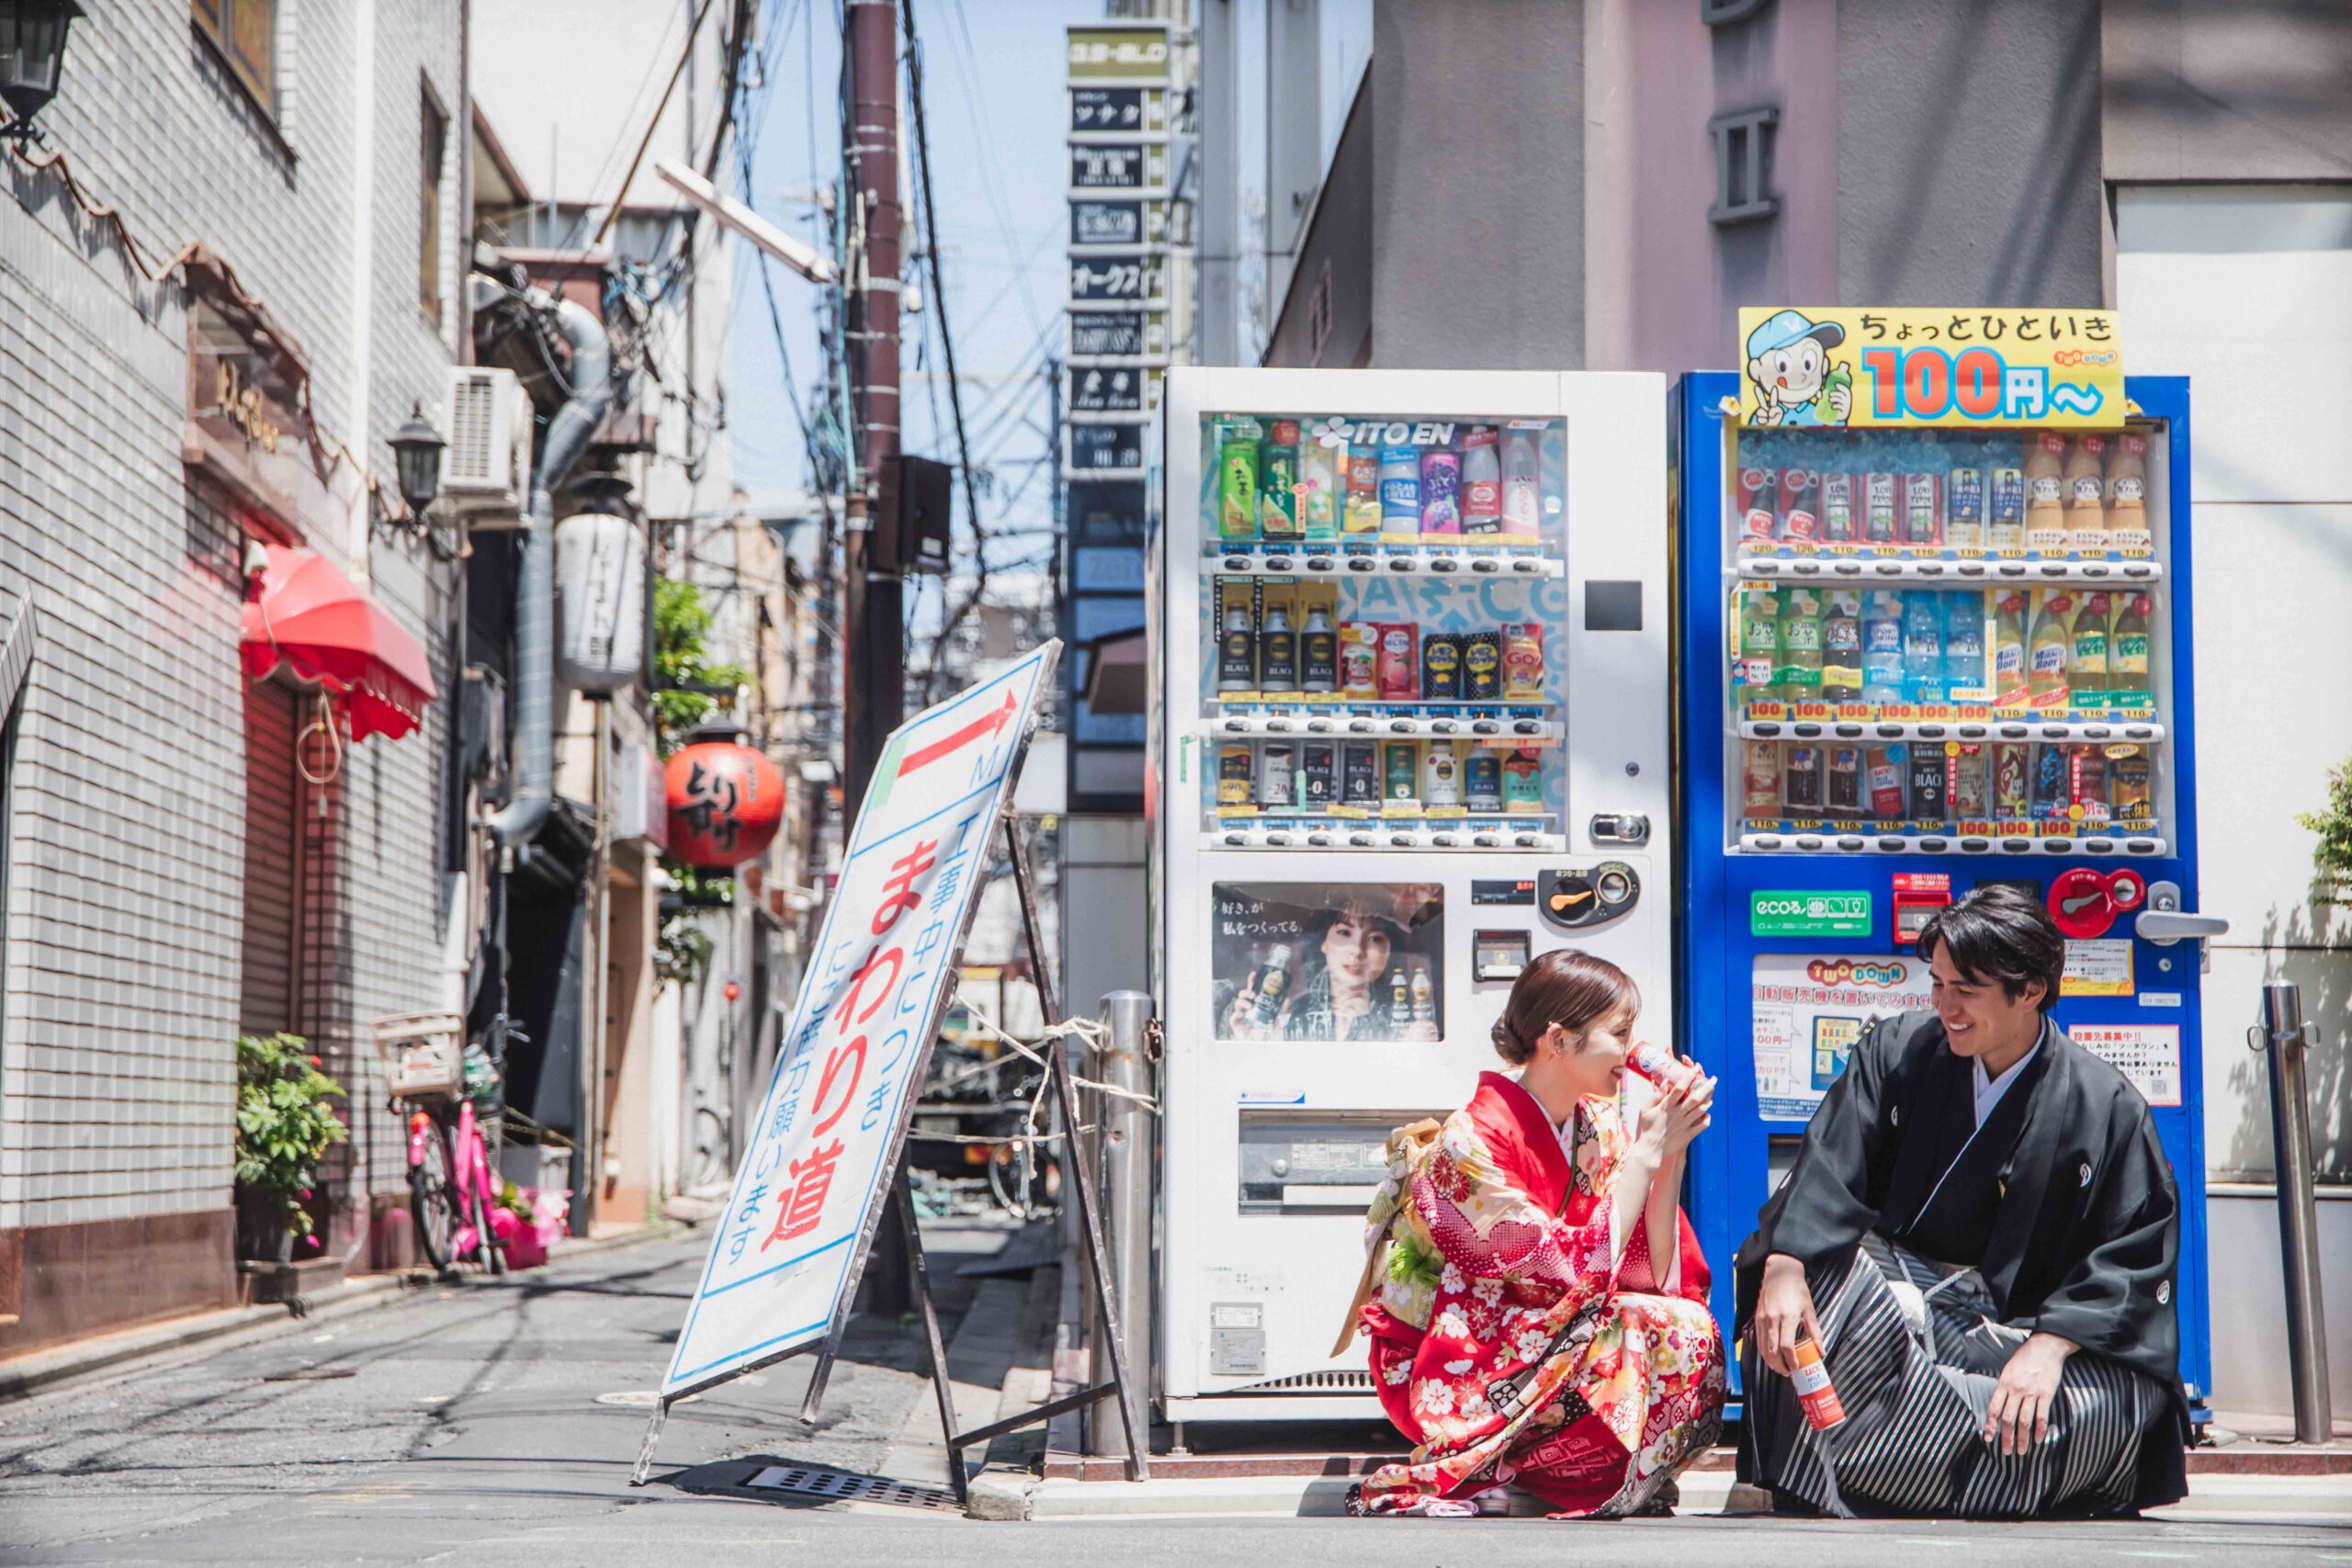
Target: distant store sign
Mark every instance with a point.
(1102, 111)
(1134, 165)
(1124, 223)
(1118, 334)
(1118, 280)
(1112, 390)
(1125, 52)
(1104, 449)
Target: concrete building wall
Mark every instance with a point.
(1478, 184)
(1968, 152)
(116, 1063)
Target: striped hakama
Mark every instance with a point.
(1915, 1350)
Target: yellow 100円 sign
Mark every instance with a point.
(1861, 367)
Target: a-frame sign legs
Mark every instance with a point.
(1098, 1262)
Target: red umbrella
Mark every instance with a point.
(325, 627)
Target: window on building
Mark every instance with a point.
(245, 32)
(1744, 166)
(434, 143)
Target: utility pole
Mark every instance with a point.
(874, 677)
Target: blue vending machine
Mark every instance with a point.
(1917, 657)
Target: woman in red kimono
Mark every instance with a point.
(1541, 1316)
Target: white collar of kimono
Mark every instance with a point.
(1990, 1089)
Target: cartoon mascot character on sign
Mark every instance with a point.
(1796, 384)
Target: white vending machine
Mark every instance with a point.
(1410, 729)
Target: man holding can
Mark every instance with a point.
(1976, 1246)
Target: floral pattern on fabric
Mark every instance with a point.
(1546, 1362)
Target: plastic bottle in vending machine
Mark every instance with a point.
(1237, 653)
(1841, 646)
(2050, 651)
(1883, 647)
(2127, 492)
(2045, 491)
(1801, 504)
(1964, 497)
(2008, 647)
(1400, 490)
(1923, 497)
(1522, 484)
(1964, 645)
(1799, 673)
(2127, 648)
(1237, 488)
(1923, 648)
(1881, 495)
(1278, 482)
(1758, 490)
(1320, 489)
(1482, 481)
(2086, 496)
(1440, 774)
(2087, 663)
(1841, 522)
(1361, 518)
(1760, 643)
(2005, 505)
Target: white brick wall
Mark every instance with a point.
(116, 1063)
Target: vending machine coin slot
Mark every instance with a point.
(1292, 1161)
(1577, 896)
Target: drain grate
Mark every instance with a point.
(843, 1486)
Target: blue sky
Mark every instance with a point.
(992, 74)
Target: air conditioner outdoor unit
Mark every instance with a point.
(486, 467)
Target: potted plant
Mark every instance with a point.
(284, 1126)
(2331, 856)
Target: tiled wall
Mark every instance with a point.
(116, 1063)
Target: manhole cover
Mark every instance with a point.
(642, 1398)
(840, 1486)
(310, 1374)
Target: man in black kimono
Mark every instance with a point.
(1979, 1235)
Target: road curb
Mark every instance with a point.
(82, 1360)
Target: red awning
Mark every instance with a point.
(325, 627)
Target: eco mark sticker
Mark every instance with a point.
(1809, 914)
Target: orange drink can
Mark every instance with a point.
(1815, 1395)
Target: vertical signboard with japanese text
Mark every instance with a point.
(817, 1167)
(1124, 216)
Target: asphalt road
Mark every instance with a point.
(463, 1426)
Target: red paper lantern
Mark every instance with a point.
(725, 802)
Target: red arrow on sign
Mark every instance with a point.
(949, 744)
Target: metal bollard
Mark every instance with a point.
(1126, 1144)
(2285, 1035)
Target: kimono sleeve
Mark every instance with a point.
(2117, 1299)
(1831, 1197)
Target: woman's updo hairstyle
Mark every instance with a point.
(1572, 989)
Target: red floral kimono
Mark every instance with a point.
(1513, 1339)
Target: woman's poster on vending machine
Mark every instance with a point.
(1329, 961)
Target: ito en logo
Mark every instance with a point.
(1847, 972)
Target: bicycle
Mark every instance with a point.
(449, 1184)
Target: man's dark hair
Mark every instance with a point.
(2000, 933)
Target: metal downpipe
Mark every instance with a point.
(519, 820)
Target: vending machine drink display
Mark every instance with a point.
(1936, 642)
(1410, 729)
